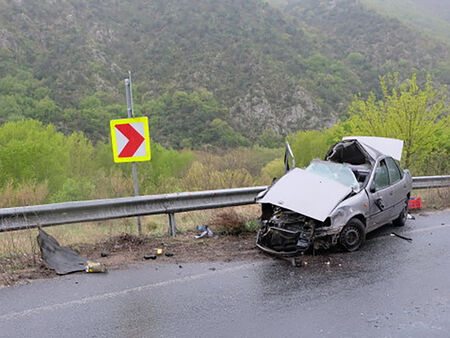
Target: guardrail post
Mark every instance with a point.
(172, 225)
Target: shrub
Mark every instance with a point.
(229, 222)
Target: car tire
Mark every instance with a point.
(401, 219)
(352, 236)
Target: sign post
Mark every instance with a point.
(130, 140)
(134, 165)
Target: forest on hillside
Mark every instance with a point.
(248, 72)
(223, 84)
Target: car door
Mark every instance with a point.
(381, 197)
(399, 187)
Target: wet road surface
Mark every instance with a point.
(389, 288)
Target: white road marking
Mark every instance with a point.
(87, 300)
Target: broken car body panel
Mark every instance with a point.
(383, 145)
(311, 207)
(306, 193)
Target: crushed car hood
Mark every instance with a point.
(306, 193)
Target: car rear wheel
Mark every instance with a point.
(352, 235)
(401, 219)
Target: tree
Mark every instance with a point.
(32, 152)
(416, 114)
(183, 119)
(310, 144)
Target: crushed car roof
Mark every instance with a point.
(379, 145)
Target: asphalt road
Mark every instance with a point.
(390, 288)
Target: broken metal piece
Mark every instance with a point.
(400, 236)
(206, 233)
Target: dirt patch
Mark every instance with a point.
(124, 249)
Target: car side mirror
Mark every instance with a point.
(373, 188)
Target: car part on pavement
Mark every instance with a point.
(62, 259)
(402, 237)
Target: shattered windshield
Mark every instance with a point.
(334, 171)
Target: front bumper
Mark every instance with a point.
(287, 243)
(278, 242)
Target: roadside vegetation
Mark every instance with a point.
(39, 164)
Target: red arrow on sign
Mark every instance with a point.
(134, 139)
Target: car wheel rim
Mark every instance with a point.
(352, 237)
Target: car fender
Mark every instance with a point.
(354, 206)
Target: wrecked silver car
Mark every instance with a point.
(356, 189)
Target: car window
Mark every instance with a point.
(381, 176)
(394, 173)
(334, 171)
(399, 169)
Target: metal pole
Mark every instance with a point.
(130, 114)
(172, 225)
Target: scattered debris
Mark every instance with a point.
(411, 217)
(212, 269)
(402, 237)
(206, 232)
(169, 254)
(151, 256)
(59, 258)
(298, 262)
(21, 269)
(95, 267)
(159, 251)
(104, 254)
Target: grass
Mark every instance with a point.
(437, 198)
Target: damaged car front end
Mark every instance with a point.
(330, 202)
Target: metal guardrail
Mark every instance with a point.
(424, 182)
(96, 210)
(86, 211)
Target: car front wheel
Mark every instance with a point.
(352, 235)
